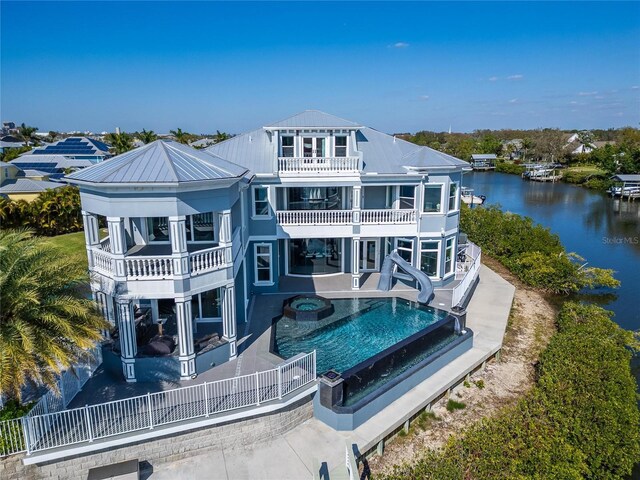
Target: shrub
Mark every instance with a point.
(479, 384)
(455, 405)
(506, 167)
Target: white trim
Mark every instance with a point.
(457, 200)
(413, 247)
(453, 256)
(376, 257)
(438, 251)
(441, 211)
(269, 216)
(262, 283)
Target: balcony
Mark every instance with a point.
(318, 165)
(345, 217)
(160, 266)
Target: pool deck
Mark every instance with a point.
(294, 454)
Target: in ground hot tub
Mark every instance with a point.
(307, 308)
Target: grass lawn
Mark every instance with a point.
(72, 245)
(586, 169)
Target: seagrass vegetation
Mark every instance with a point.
(531, 252)
(580, 420)
(47, 321)
(53, 212)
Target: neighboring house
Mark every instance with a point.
(55, 166)
(77, 148)
(10, 141)
(18, 184)
(514, 148)
(193, 234)
(203, 143)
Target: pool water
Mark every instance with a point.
(358, 329)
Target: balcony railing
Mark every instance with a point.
(102, 261)
(208, 260)
(310, 165)
(149, 267)
(314, 217)
(388, 216)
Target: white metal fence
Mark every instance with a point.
(471, 267)
(45, 431)
(69, 384)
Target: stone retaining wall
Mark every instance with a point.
(166, 449)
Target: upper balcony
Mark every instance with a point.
(300, 166)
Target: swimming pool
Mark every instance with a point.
(358, 329)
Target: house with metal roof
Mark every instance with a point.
(19, 184)
(483, 161)
(78, 148)
(194, 235)
(55, 166)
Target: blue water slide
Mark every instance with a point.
(386, 276)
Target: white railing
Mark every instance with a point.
(69, 384)
(102, 261)
(208, 260)
(471, 268)
(387, 216)
(145, 412)
(297, 165)
(149, 267)
(314, 217)
(105, 244)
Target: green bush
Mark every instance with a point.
(534, 254)
(454, 405)
(580, 420)
(507, 167)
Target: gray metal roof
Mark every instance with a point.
(627, 178)
(51, 161)
(381, 153)
(159, 162)
(5, 144)
(27, 185)
(483, 156)
(313, 119)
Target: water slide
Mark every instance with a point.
(386, 276)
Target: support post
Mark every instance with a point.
(355, 264)
(229, 318)
(186, 351)
(128, 341)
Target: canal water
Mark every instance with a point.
(603, 230)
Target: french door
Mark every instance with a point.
(313, 147)
(369, 255)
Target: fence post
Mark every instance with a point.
(25, 433)
(280, 382)
(150, 412)
(206, 400)
(257, 389)
(88, 418)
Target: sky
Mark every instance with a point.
(396, 67)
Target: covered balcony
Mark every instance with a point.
(300, 166)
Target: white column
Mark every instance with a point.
(355, 264)
(229, 317)
(224, 233)
(186, 353)
(178, 237)
(100, 300)
(127, 332)
(118, 246)
(91, 234)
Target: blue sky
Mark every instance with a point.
(393, 66)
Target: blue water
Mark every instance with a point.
(358, 329)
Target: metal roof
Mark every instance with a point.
(50, 161)
(27, 185)
(627, 178)
(381, 153)
(313, 119)
(483, 156)
(159, 162)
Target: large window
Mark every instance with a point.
(314, 198)
(158, 229)
(261, 202)
(287, 146)
(200, 227)
(207, 305)
(341, 146)
(313, 146)
(313, 256)
(432, 199)
(449, 263)
(263, 263)
(405, 249)
(453, 197)
(429, 258)
(407, 196)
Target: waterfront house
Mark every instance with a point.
(483, 161)
(193, 234)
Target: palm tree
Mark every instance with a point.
(527, 143)
(120, 142)
(221, 136)
(180, 136)
(147, 136)
(27, 133)
(46, 323)
(52, 136)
